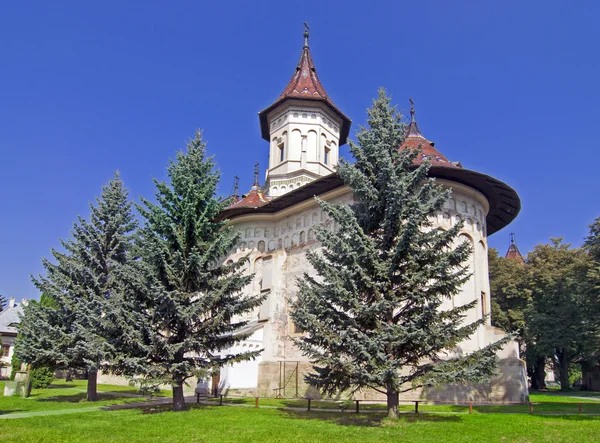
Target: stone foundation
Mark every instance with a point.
(510, 386)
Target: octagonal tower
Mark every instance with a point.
(277, 229)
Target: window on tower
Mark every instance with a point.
(281, 152)
(326, 158)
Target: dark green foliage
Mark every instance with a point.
(15, 365)
(179, 309)
(592, 241)
(509, 293)
(67, 328)
(375, 317)
(3, 302)
(560, 320)
(41, 376)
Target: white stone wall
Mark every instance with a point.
(308, 133)
(277, 246)
(5, 368)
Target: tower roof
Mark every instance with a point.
(513, 252)
(253, 199)
(305, 85)
(415, 139)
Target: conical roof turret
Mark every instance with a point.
(253, 199)
(415, 139)
(305, 85)
(513, 252)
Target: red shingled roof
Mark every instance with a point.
(305, 82)
(415, 139)
(513, 253)
(305, 85)
(254, 199)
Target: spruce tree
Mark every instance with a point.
(67, 328)
(3, 302)
(373, 317)
(181, 300)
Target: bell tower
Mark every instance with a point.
(304, 130)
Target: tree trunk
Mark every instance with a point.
(178, 398)
(392, 405)
(69, 376)
(537, 372)
(92, 385)
(563, 370)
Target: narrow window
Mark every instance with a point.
(483, 305)
(5, 350)
(281, 152)
(326, 156)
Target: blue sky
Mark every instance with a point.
(508, 88)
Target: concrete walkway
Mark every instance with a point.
(155, 402)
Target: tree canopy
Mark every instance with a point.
(379, 314)
(67, 328)
(180, 304)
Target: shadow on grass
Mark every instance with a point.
(75, 398)
(10, 411)
(167, 407)
(62, 386)
(368, 420)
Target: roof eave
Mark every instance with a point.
(264, 122)
(504, 201)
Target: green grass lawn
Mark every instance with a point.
(202, 423)
(238, 424)
(543, 403)
(62, 395)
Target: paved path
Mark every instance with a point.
(155, 402)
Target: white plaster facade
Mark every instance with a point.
(304, 145)
(9, 319)
(277, 245)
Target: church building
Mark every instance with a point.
(304, 130)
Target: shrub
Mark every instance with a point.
(15, 366)
(41, 377)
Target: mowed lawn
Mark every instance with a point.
(247, 424)
(63, 395)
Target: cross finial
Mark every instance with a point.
(412, 110)
(256, 170)
(236, 185)
(306, 33)
(512, 238)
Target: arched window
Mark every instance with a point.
(302, 238)
(261, 246)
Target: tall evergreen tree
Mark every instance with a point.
(3, 302)
(182, 302)
(374, 316)
(67, 328)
